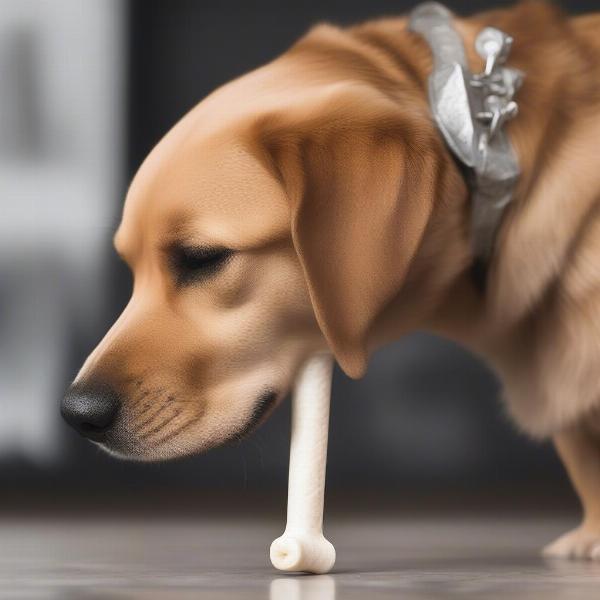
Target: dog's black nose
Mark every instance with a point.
(90, 409)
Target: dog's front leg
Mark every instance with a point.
(579, 449)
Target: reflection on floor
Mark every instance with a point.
(420, 558)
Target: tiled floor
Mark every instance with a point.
(421, 558)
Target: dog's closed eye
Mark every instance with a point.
(195, 264)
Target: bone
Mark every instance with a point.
(302, 547)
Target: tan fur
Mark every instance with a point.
(349, 219)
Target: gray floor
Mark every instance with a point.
(408, 558)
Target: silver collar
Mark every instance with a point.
(470, 110)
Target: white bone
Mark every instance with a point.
(302, 547)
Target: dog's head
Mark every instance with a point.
(276, 219)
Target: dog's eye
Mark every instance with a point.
(196, 264)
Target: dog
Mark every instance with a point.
(312, 205)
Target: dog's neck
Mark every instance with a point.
(559, 117)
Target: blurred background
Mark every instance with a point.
(86, 90)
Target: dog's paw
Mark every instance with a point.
(582, 542)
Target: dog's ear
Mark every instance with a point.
(361, 181)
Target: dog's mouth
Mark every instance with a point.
(122, 444)
(264, 406)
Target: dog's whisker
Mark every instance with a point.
(151, 420)
(145, 409)
(139, 398)
(178, 430)
(160, 426)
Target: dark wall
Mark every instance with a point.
(427, 413)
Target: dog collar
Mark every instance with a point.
(470, 111)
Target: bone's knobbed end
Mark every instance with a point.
(303, 553)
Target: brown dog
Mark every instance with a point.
(312, 204)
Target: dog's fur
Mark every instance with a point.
(349, 224)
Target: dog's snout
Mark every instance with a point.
(90, 409)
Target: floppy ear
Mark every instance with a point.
(360, 202)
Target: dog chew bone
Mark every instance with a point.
(302, 547)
